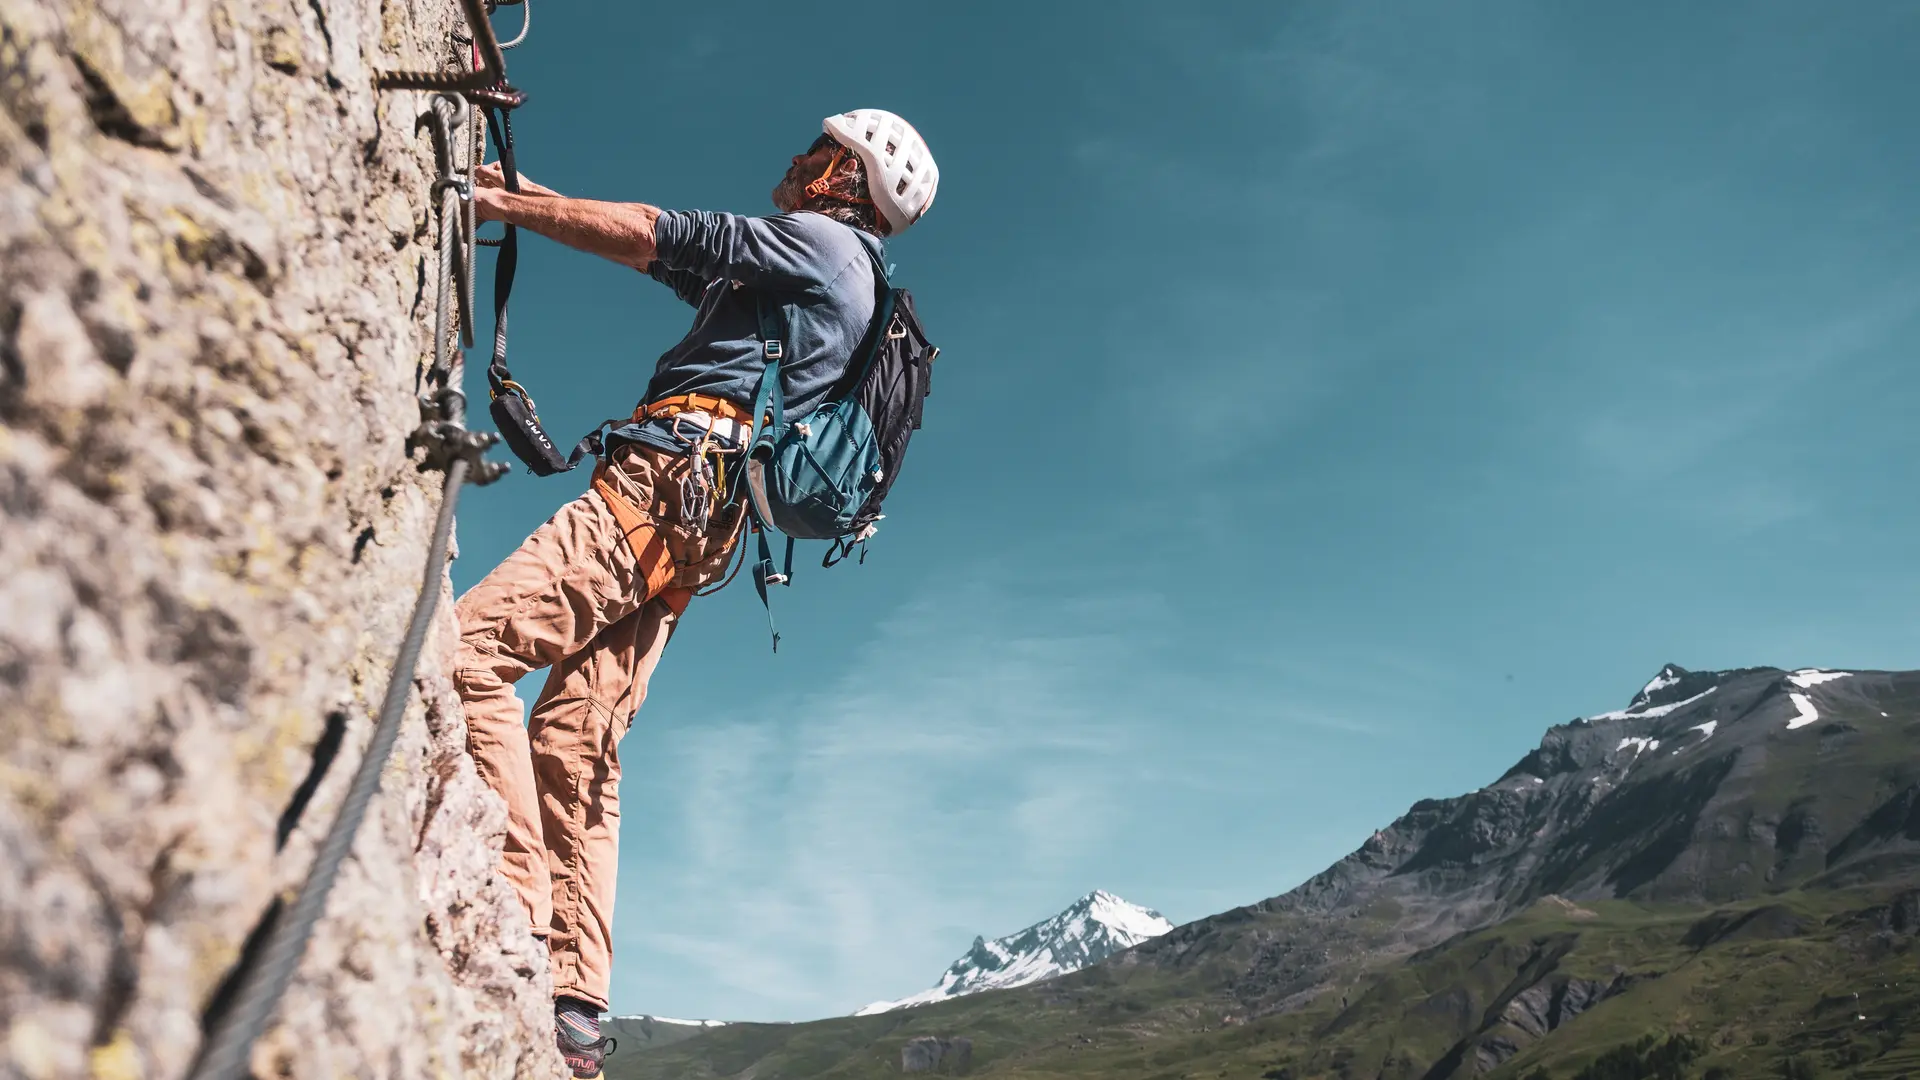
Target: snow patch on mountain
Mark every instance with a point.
(1808, 678)
(1645, 713)
(1807, 714)
(1095, 927)
(1667, 677)
(671, 1020)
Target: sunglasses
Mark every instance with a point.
(823, 142)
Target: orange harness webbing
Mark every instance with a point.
(719, 408)
(655, 561)
(643, 539)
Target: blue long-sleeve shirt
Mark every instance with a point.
(717, 262)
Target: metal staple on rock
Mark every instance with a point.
(490, 76)
(261, 980)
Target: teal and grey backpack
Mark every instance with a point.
(825, 475)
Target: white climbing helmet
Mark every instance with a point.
(901, 175)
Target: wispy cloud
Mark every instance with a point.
(1727, 414)
(985, 758)
(825, 846)
(1223, 367)
(1749, 379)
(1310, 118)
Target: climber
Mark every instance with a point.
(594, 594)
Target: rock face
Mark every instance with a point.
(931, 1053)
(214, 294)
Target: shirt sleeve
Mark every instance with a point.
(685, 284)
(785, 251)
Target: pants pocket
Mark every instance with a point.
(701, 558)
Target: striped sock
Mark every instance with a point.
(582, 1019)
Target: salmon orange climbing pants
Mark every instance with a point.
(592, 595)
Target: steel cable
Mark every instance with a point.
(263, 978)
(229, 1046)
(526, 23)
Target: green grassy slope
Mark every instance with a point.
(1757, 984)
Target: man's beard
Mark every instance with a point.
(787, 193)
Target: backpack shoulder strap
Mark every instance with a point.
(879, 263)
(775, 329)
(769, 406)
(769, 418)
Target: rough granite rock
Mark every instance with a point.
(214, 300)
(933, 1053)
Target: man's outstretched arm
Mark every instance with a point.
(622, 232)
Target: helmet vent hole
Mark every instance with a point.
(901, 187)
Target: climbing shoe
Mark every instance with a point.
(576, 1027)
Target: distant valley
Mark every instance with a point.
(1720, 880)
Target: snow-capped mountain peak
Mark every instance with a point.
(1093, 928)
(1121, 917)
(1670, 675)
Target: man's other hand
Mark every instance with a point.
(490, 175)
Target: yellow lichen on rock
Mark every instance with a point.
(117, 1060)
(209, 350)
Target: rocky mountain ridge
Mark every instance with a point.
(642, 1031)
(1704, 789)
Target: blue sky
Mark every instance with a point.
(1331, 397)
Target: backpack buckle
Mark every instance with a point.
(773, 349)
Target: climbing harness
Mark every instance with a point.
(720, 432)
(253, 989)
